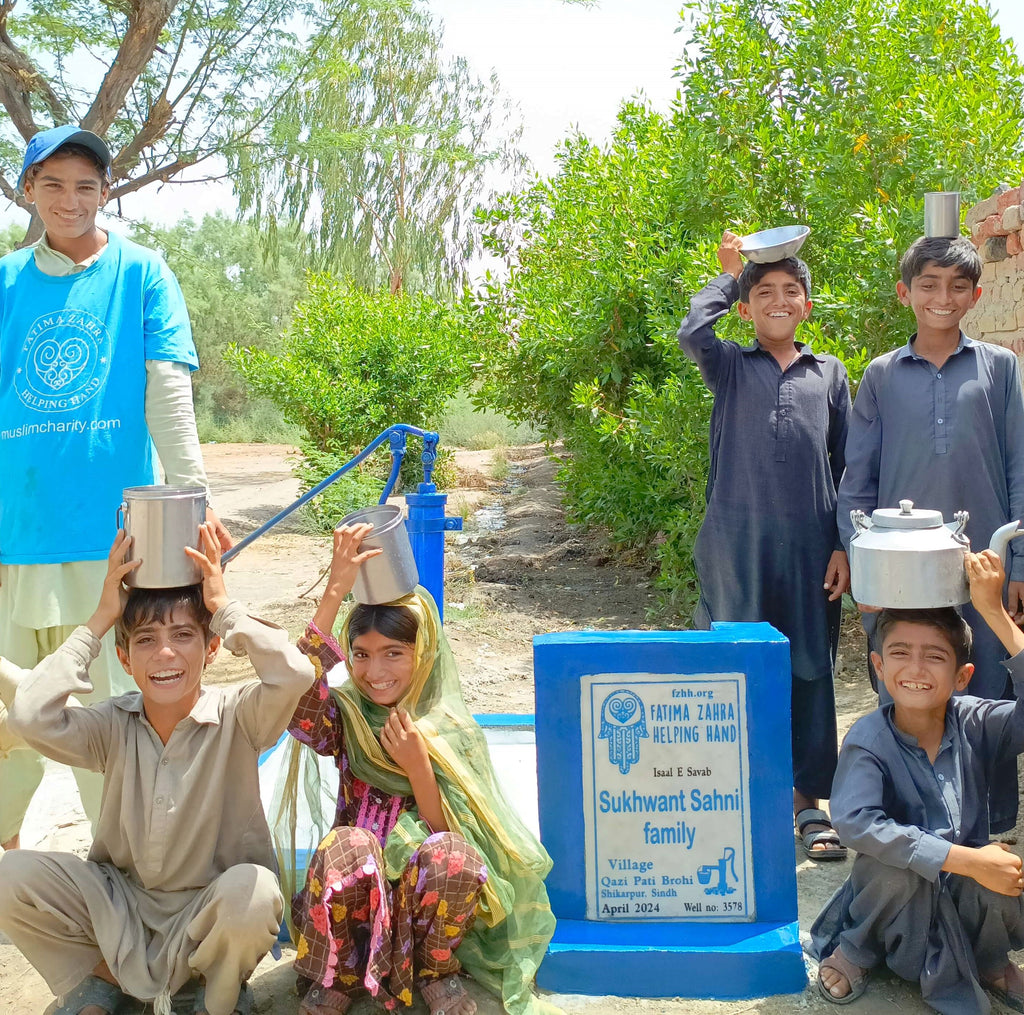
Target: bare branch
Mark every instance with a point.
(20, 78)
(146, 21)
(162, 174)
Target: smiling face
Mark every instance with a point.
(777, 304)
(382, 667)
(68, 192)
(919, 669)
(166, 658)
(939, 298)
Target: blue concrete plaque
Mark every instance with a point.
(675, 748)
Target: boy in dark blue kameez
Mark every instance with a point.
(768, 543)
(929, 895)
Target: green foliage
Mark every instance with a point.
(358, 488)
(837, 114)
(467, 426)
(234, 294)
(353, 363)
(380, 149)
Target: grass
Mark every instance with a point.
(260, 423)
(465, 427)
(499, 468)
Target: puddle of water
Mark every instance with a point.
(490, 517)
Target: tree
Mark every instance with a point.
(234, 295)
(381, 150)
(180, 82)
(838, 114)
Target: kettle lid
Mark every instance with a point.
(906, 517)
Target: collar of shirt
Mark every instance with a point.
(803, 347)
(906, 740)
(53, 262)
(909, 352)
(205, 711)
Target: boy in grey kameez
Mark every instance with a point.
(929, 895)
(768, 549)
(180, 878)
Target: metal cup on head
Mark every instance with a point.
(391, 574)
(942, 214)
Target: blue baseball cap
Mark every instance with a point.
(46, 142)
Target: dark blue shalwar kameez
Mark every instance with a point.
(901, 813)
(776, 441)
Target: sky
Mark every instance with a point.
(564, 65)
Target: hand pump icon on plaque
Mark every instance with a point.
(706, 870)
(623, 725)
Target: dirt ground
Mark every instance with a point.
(516, 571)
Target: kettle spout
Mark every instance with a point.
(1001, 539)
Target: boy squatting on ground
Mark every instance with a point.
(179, 879)
(769, 538)
(929, 895)
(940, 421)
(96, 354)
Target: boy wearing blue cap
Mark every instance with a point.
(95, 358)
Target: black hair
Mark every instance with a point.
(146, 606)
(395, 622)
(753, 273)
(944, 252)
(943, 619)
(66, 151)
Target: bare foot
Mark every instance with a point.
(448, 997)
(14, 842)
(1007, 984)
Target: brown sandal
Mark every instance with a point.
(443, 996)
(856, 977)
(319, 998)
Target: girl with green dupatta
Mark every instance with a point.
(426, 869)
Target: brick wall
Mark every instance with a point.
(995, 226)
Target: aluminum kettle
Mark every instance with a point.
(906, 558)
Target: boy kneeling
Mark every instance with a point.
(179, 879)
(929, 894)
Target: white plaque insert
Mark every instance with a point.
(665, 797)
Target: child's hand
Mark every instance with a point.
(837, 575)
(404, 742)
(729, 254)
(114, 595)
(996, 868)
(986, 575)
(346, 559)
(215, 594)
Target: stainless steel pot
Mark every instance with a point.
(162, 521)
(906, 558)
(391, 574)
(942, 214)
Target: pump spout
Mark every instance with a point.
(1001, 539)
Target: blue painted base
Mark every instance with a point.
(727, 961)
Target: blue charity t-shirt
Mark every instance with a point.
(73, 432)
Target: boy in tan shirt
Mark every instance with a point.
(180, 877)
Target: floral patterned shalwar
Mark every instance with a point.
(357, 931)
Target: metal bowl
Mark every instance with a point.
(774, 244)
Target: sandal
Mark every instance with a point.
(92, 990)
(243, 1006)
(856, 977)
(444, 996)
(1012, 994)
(324, 998)
(834, 849)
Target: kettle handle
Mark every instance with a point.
(1000, 541)
(122, 510)
(860, 522)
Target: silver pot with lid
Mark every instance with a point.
(907, 558)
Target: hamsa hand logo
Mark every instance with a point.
(623, 725)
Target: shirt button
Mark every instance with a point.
(938, 421)
(159, 800)
(164, 762)
(942, 778)
(939, 374)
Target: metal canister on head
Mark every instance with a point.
(391, 574)
(942, 214)
(162, 521)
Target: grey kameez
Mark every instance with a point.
(180, 873)
(902, 813)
